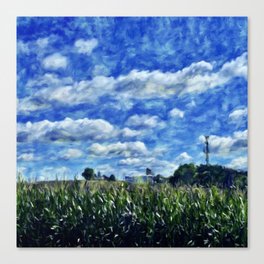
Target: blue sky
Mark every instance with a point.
(122, 94)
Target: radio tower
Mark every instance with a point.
(206, 150)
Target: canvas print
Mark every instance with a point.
(132, 132)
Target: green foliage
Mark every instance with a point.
(208, 175)
(118, 214)
(88, 174)
(158, 179)
(112, 177)
(185, 173)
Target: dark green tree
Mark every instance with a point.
(88, 174)
(185, 174)
(112, 177)
(158, 178)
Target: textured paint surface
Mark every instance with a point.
(123, 94)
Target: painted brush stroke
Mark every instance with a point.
(122, 94)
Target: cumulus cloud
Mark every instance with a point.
(65, 130)
(100, 70)
(183, 158)
(85, 46)
(36, 47)
(236, 67)
(71, 154)
(175, 112)
(51, 80)
(138, 85)
(25, 106)
(22, 47)
(127, 132)
(225, 145)
(144, 121)
(160, 166)
(42, 42)
(130, 161)
(125, 149)
(238, 116)
(196, 78)
(78, 92)
(106, 169)
(210, 79)
(238, 163)
(26, 157)
(55, 61)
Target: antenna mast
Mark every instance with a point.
(206, 150)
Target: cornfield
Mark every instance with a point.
(118, 214)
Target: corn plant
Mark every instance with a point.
(118, 214)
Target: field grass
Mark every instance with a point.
(118, 214)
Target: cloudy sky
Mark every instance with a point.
(123, 94)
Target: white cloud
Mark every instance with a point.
(196, 78)
(85, 46)
(69, 129)
(22, 47)
(191, 104)
(130, 161)
(26, 157)
(55, 61)
(238, 116)
(52, 173)
(100, 70)
(241, 135)
(65, 130)
(238, 163)
(26, 105)
(158, 166)
(137, 85)
(127, 132)
(183, 158)
(42, 42)
(236, 67)
(225, 145)
(125, 149)
(175, 112)
(71, 154)
(208, 80)
(144, 121)
(106, 169)
(51, 80)
(78, 92)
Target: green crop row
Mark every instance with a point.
(118, 214)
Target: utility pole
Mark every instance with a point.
(206, 150)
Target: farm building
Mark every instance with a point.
(148, 177)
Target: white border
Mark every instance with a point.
(12, 8)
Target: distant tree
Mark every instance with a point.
(105, 178)
(112, 177)
(172, 180)
(215, 175)
(204, 175)
(158, 179)
(185, 174)
(88, 174)
(99, 175)
(240, 179)
(208, 175)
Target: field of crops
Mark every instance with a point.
(118, 214)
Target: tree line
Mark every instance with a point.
(208, 175)
(190, 174)
(89, 174)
